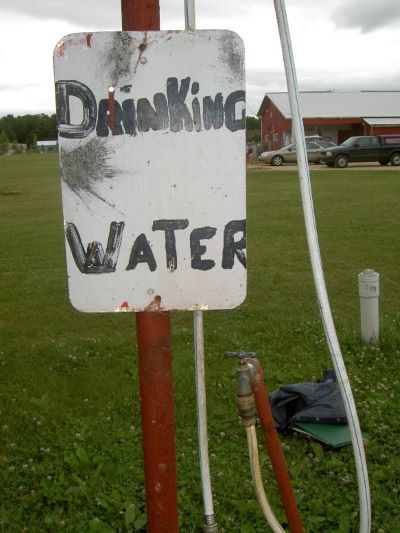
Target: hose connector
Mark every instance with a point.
(210, 525)
(245, 401)
(246, 406)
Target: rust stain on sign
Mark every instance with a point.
(154, 305)
(142, 47)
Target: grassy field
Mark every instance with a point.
(70, 438)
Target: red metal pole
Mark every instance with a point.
(155, 363)
(140, 15)
(158, 423)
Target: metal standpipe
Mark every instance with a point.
(210, 524)
(368, 288)
(252, 393)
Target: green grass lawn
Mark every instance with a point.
(70, 438)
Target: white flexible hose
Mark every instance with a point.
(316, 262)
(257, 479)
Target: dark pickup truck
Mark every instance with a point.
(382, 148)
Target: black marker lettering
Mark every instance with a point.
(197, 249)
(169, 226)
(231, 122)
(141, 253)
(179, 114)
(156, 118)
(168, 111)
(213, 112)
(196, 114)
(103, 126)
(94, 260)
(232, 247)
(129, 116)
(64, 90)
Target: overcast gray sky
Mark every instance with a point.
(338, 44)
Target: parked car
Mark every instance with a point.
(288, 154)
(366, 148)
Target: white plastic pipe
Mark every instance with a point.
(368, 288)
(316, 262)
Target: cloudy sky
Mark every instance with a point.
(338, 44)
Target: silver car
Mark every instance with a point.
(288, 154)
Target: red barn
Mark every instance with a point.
(334, 115)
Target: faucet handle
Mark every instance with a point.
(241, 355)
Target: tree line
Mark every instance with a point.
(25, 129)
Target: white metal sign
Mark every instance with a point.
(151, 137)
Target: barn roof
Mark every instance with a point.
(383, 121)
(336, 104)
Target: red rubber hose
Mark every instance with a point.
(275, 450)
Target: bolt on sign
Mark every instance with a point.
(151, 137)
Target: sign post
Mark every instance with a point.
(153, 331)
(151, 135)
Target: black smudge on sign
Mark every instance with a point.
(85, 166)
(120, 56)
(232, 56)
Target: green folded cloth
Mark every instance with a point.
(332, 435)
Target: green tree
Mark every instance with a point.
(4, 142)
(253, 123)
(16, 148)
(31, 142)
(253, 126)
(19, 128)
